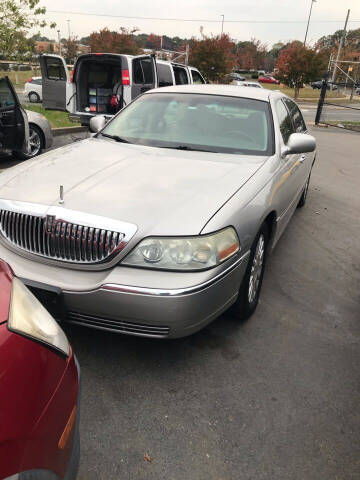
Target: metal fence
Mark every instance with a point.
(342, 113)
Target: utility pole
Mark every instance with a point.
(59, 40)
(340, 46)
(308, 23)
(222, 24)
(187, 54)
(68, 28)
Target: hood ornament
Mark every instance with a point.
(61, 201)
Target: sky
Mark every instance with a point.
(276, 13)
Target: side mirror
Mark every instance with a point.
(97, 123)
(299, 143)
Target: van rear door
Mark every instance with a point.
(58, 91)
(144, 75)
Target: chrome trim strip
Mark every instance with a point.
(171, 292)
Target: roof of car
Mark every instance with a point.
(228, 90)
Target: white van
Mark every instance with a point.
(103, 83)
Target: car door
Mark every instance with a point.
(57, 90)
(304, 160)
(285, 189)
(144, 75)
(14, 127)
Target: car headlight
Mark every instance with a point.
(28, 317)
(187, 253)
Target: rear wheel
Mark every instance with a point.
(250, 288)
(34, 97)
(36, 140)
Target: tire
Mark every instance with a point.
(34, 97)
(37, 143)
(303, 197)
(249, 292)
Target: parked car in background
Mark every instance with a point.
(22, 132)
(247, 84)
(236, 77)
(33, 89)
(39, 381)
(319, 83)
(268, 79)
(103, 83)
(173, 206)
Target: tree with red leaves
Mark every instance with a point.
(213, 56)
(298, 64)
(153, 42)
(106, 41)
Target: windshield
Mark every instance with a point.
(196, 122)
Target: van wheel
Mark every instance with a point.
(37, 143)
(250, 288)
(34, 97)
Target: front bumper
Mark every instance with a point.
(138, 301)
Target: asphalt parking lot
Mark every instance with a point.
(276, 397)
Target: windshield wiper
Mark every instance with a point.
(115, 137)
(190, 149)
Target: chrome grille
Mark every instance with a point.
(117, 325)
(59, 239)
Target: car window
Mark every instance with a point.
(55, 68)
(143, 71)
(181, 77)
(7, 99)
(36, 81)
(296, 116)
(200, 122)
(164, 74)
(196, 77)
(286, 126)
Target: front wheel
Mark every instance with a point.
(250, 288)
(303, 197)
(36, 140)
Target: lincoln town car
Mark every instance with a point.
(165, 217)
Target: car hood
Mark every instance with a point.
(161, 191)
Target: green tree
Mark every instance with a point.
(213, 56)
(298, 64)
(17, 17)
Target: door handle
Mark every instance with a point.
(302, 158)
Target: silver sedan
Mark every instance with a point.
(165, 217)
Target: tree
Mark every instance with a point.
(115, 42)
(250, 55)
(71, 49)
(17, 17)
(153, 42)
(213, 56)
(298, 64)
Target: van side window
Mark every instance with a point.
(7, 99)
(181, 77)
(143, 71)
(286, 126)
(296, 116)
(164, 74)
(196, 77)
(55, 69)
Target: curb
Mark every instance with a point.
(321, 125)
(65, 130)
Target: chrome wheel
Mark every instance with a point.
(34, 97)
(34, 141)
(256, 269)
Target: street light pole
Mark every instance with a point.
(222, 25)
(340, 47)
(308, 23)
(59, 39)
